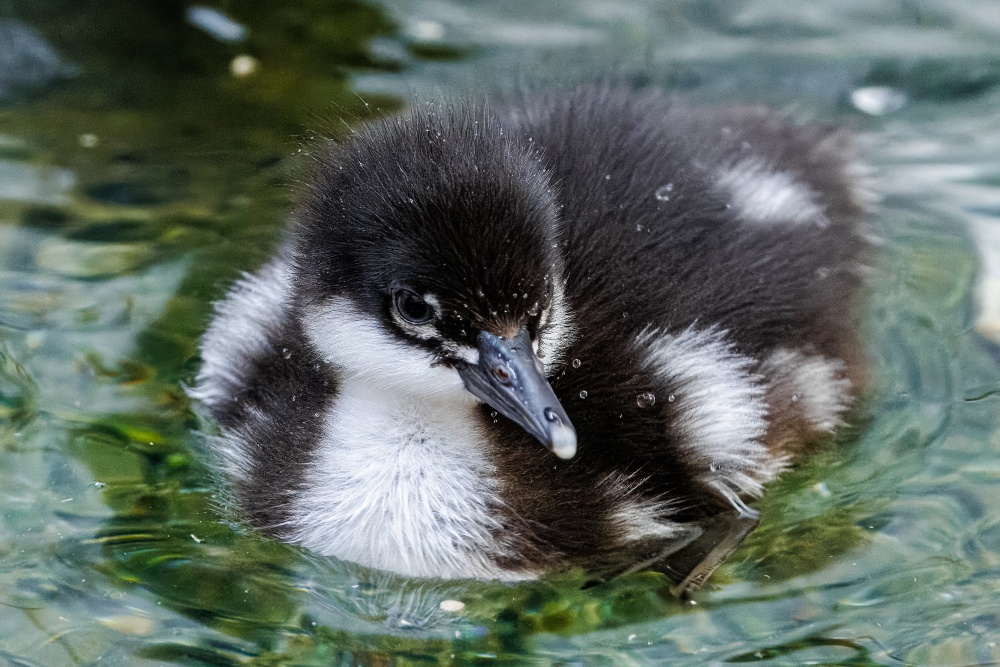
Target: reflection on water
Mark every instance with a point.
(147, 155)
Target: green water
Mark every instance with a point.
(139, 175)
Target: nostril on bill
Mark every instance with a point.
(550, 415)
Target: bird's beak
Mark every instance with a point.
(511, 379)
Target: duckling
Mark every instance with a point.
(574, 330)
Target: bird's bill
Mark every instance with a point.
(511, 379)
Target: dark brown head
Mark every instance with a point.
(426, 253)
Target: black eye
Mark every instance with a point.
(412, 308)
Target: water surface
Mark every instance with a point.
(148, 154)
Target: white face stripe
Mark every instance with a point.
(761, 195)
(466, 353)
(817, 384)
(420, 331)
(721, 406)
(556, 330)
(433, 302)
(361, 349)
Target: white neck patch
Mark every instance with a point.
(401, 480)
(401, 484)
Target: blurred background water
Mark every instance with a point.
(149, 150)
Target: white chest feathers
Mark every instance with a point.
(401, 483)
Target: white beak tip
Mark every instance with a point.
(563, 440)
